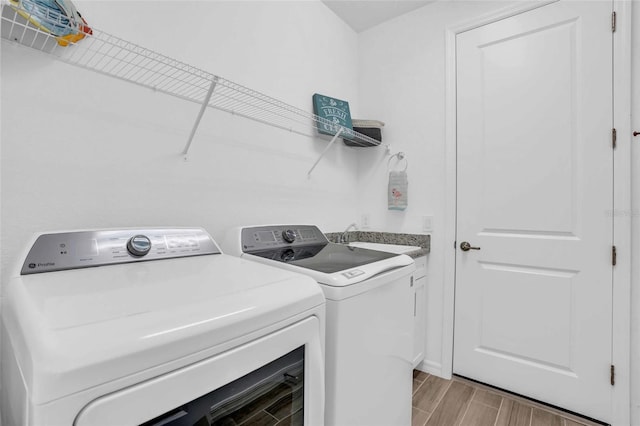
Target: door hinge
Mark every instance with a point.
(613, 375)
(614, 138)
(613, 22)
(614, 255)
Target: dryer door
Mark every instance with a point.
(279, 376)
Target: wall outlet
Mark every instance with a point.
(365, 221)
(427, 223)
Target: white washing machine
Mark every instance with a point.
(158, 327)
(369, 337)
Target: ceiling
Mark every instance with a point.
(364, 14)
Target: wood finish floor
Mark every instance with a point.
(460, 402)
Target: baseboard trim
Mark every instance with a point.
(431, 367)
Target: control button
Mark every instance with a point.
(289, 235)
(139, 245)
(353, 273)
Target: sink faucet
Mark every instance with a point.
(343, 237)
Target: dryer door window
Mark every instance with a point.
(265, 396)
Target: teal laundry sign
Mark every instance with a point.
(332, 114)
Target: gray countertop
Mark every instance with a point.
(420, 240)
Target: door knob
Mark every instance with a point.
(465, 246)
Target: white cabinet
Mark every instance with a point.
(419, 310)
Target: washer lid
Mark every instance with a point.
(75, 329)
(346, 274)
(326, 258)
(332, 264)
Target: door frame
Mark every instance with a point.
(622, 212)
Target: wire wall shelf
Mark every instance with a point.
(112, 56)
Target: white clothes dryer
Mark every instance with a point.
(369, 337)
(157, 327)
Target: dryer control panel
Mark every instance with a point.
(82, 249)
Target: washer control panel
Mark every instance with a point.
(82, 249)
(277, 236)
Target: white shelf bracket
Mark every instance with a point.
(335, 138)
(205, 103)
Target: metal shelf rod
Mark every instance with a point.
(333, 140)
(205, 103)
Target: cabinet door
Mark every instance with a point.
(419, 320)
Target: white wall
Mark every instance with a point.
(402, 82)
(83, 150)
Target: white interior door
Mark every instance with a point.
(535, 180)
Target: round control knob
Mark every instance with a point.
(289, 235)
(139, 245)
(288, 255)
